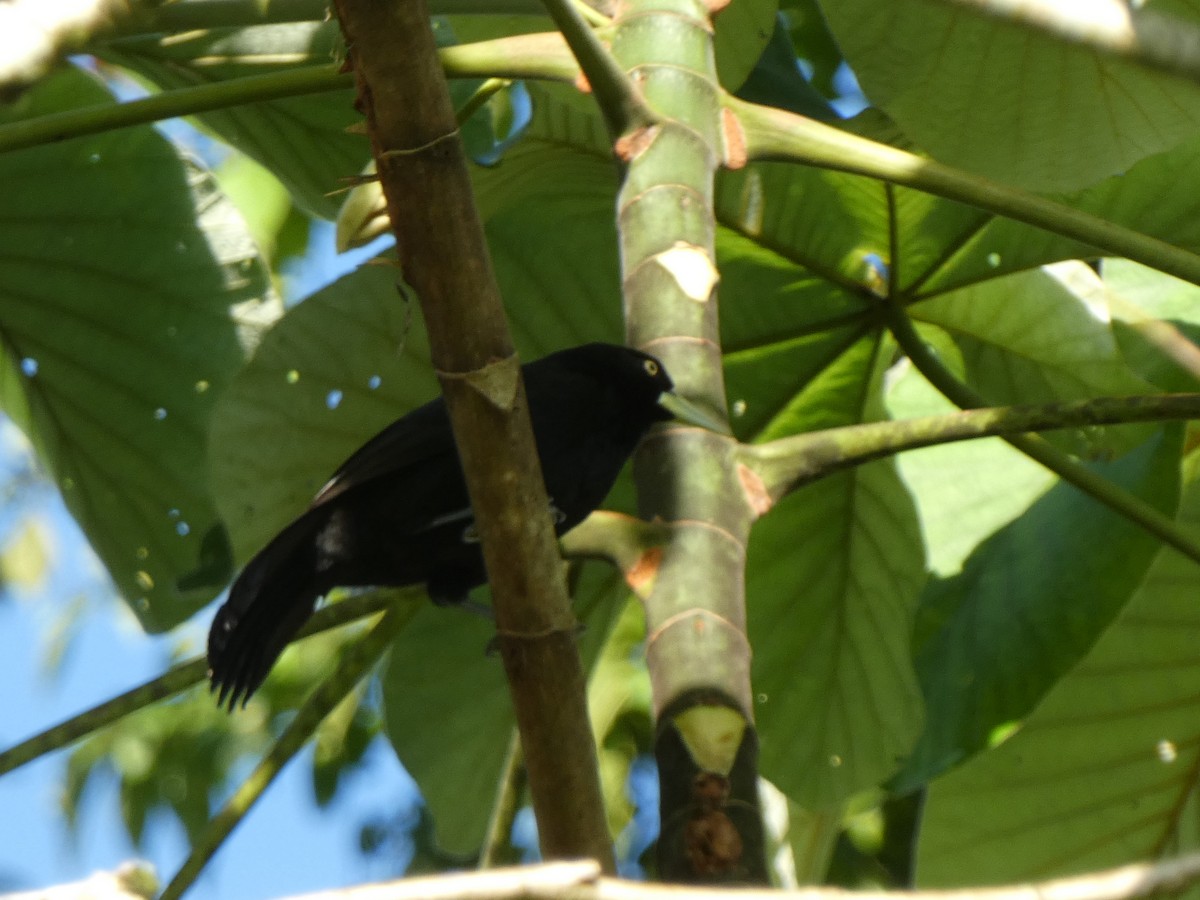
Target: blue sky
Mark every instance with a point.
(286, 845)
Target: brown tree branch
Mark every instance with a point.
(443, 254)
(583, 881)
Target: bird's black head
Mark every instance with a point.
(637, 377)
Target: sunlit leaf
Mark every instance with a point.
(1010, 102)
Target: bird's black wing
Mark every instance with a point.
(404, 481)
(420, 435)
(397, 512)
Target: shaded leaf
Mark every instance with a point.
(304, 403)
(741, 31)
(1028, 604)
(447, 713)
(975, 92)
(1103, 771)
(129, 293)
(813, 42)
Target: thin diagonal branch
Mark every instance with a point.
(357, 662)
(792, 462)
(170, 104)
(178, 678)
(619, 100)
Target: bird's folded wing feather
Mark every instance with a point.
(421, 435)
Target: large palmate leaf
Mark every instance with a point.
(449, 717)
(1012, 103)
(1029, 571)
(1103, 771)
(1029, 602)
(130, 292)
(832, 579)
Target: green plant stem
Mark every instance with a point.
(170, 104)
(178, 678)
(614, 537)
(776, 134)
(1115, 498)
(482, 95)
(792, 462)
(619, 100)
(352, 668)
(496, 845)
(541, 56)
(203, 14)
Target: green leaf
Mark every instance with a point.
(1156, 320)
(832, 578)
(777, 80)
(781, 325)
(966, 490)
(302, 140)
(305, 401)
(741, 32)
(1103, 771)
(129, 293)
(1029, 602)
(448, 714)
(813, 42)
(1152, 197)
(1039, 337)
(1009, 102)
(619, 704)
(831, 224)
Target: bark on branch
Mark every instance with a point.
(440, 243)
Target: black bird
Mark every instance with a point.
(397, 513)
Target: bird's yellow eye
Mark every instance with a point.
(651, 367)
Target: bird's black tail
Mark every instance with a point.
(267, 605)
